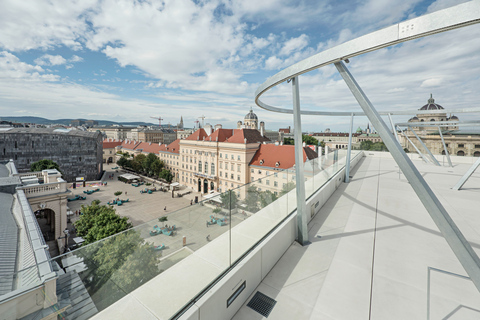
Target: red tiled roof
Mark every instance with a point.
(110, 143)
(251, 136)
(173, 147)
(130, 144)
(148, 147)
(221, 134)
(284, 155)
(286, 130)
(197, 135)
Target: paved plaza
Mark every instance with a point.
(143, 211)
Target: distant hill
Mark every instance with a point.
(66, 122)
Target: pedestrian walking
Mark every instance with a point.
(165, 209)
(191, 202)
(125, 192)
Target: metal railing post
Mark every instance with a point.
(299, 174)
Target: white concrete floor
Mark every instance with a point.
(371, 245)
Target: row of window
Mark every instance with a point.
(232, 156)
(232, 166)
(212, 168)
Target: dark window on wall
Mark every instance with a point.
(16, 145)
(477, 146)
(461, 145)
(33, 144)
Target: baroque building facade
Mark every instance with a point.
(458, 142)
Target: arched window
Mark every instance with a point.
(206, 167)
(476, 154)
(461, 153)
(212, 169)
(199, 166)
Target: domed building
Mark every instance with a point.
(249, 122)
(458, 142)
(433, 117)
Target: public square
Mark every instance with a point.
(143, 211)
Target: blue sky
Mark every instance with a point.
(130, 60)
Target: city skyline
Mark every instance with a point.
(128, 61)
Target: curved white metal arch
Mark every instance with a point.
(448, 19)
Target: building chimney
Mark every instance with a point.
(262, 128)
(208, 129)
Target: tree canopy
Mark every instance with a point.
(251, 199)
(305, 138)
(229, 200)
(98, 222)
(369, 145)
(44, 165)
(149, 165)
(287, 188)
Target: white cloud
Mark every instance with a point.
(33, 24)
(12, 69)
(273, 63)
(75, 58)
(294, 44)
(432, 82)
(49, 60)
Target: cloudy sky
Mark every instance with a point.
(130, 60)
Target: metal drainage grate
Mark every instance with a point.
(262, 304)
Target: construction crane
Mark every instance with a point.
(203, 119)
(159, 120)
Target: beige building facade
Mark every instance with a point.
(458, 142)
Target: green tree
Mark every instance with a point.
(117, 266)
(305, 138)
(166, 175)
(267, 197)
(122, 161)
(157, 167)
(251, 199)
(229, 200)
(148, 162)
(287, 188)
(44, 165)
(163, 219)
(366, 145)
(309, 140)
(98, 222)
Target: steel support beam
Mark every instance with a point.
(302, 234)
(445, 147)
(460, 246)
(415, 147)
(349, 151)
(394, 129)
(435, 161)
(467, 175)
